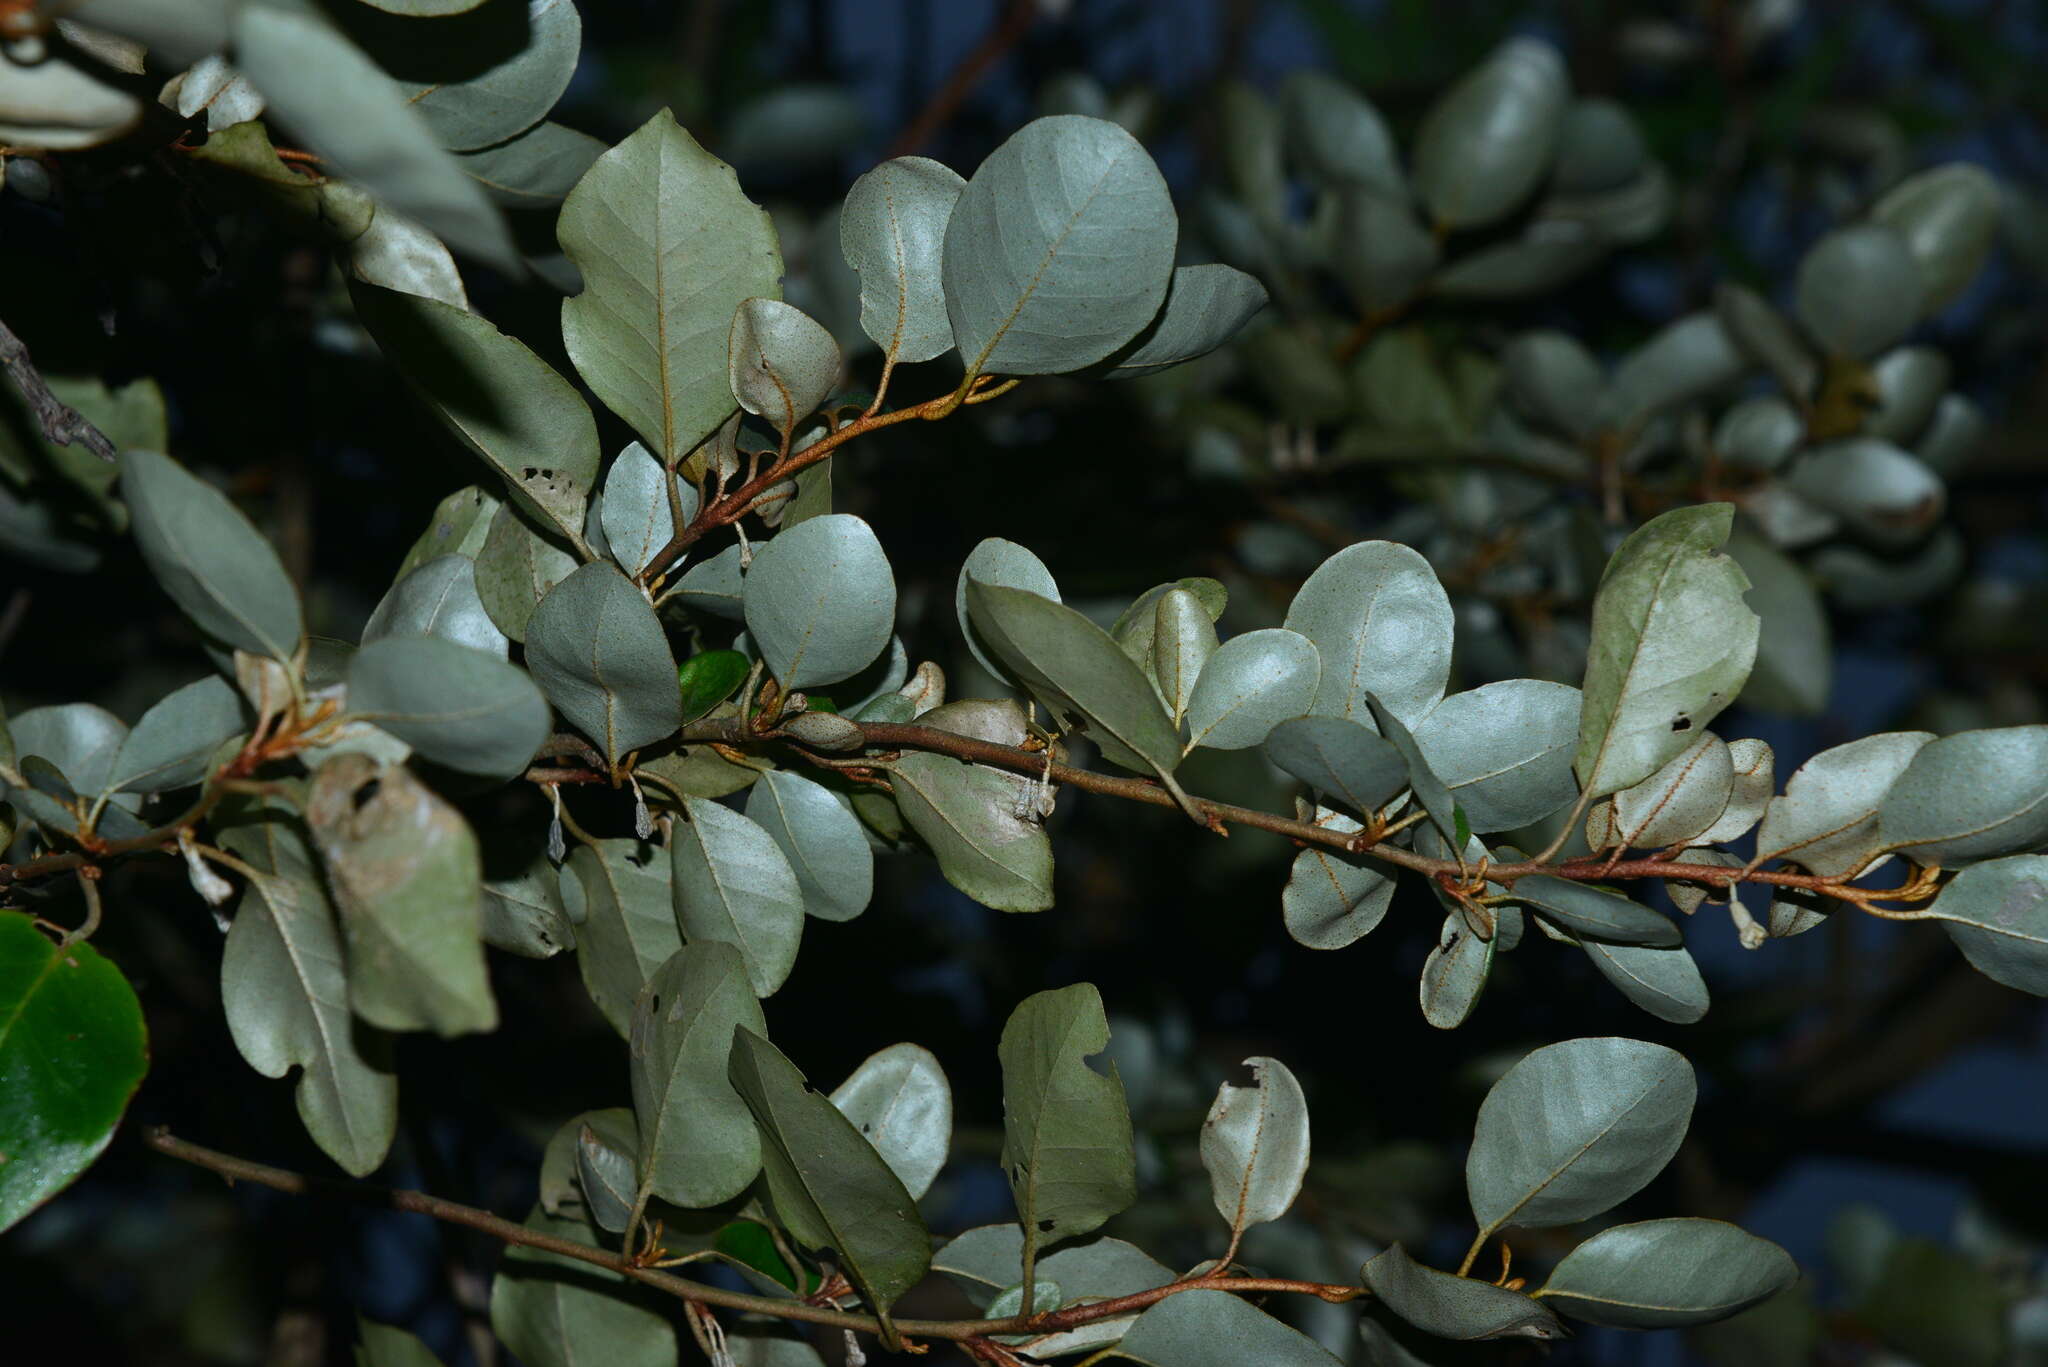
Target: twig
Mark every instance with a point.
(60, 422)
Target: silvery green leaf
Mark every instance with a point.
(333, 96)
(1768, 338)
(1381, 622)
(1066, 1128)
(1687, 359)
(1754, 768)
(668, 247)
(893, 231)
(1863, 582)
(1075, 670)
(979, 823)
(516, 569)
(1134, 626)
(1343, 760)
(1872, 486)
(1997, 913)
(819, 833)
(1552, 379)
(1216, 1329)
(820, 600)
(1382, 253)
(1183, 639)
(469, 710)
(523, 914)
(483, 77)
(1505, 750)
(1332, 899)
(829, 1187)
(1205, 306)
(1545, 255)
(597, 650)
(697, 1142)
(285, 991)
(1664, 982)
(628, 925)
(605, 1177)
(1454, 974)
(734, 884)
(1859, 290)
(1660, 1274)
(1337, 135)
(1681, 801)
(172, 745)
(534, 170)
(438, 598)
(83, 741)
(1251, 683)
(1672, 643)
(900, 1102)
(637, 516)
(1970, 797)
(1429, 790)
(498, 398)
(407, 878)
(1910, 382)
(1948, 217)
(1460, 1308)
(1827, 819)
(1953, 435)
(1485, 145)
(399, 254)
(1759, 433)
(1574, 1129)
(996, 561)
(459, 525)
(716, 585)
(781, 362)
(1587, 910)
(1255, 1146)
(1059, 250)
(1599, 147)
(206, 556)
(552, 1310)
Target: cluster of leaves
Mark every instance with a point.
(579, 624)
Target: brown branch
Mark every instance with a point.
(60, 422)
(1016, 21)
(453, 1212)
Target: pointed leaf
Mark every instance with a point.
(698, 1144)
(820, 601)
(173, 745)
(732, 883)
(213, 564)
(534, 170)
(1455, 1307)
(1585, 909)
(1383, 624)
(1183, 639)
(892, 230)
(1429, 790)
(1663, 1273)
(597, 650)
(900, 1102)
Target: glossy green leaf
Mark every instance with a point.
(781, 362)
(638, 518)
(213, 564)
(1067, 1147)
(821, 836)
(1454, 974)
(1340, 759)
(173, 745)
(1948, 216)
(336, 99)
(1216, 1329)
(1485, 145)
(628, 927)
(1661, 1274)
(1794, 651)
(406, 876)
(733, 884)
(1997, 913)
(820, 601)
(597, 650)
(668, 247)
(708, 679)
(1337, 134)
(892, 230)
(1672, 644)
(534, 170)
(1504, 750)
(1059, 250)
(1205, 307)
(1575, 1128)
(1254, 1145)
(1076, 670)
(980, 824)
(454, 705)
(698, 1144)
(1382, 624)
(1827, 819)
(1457, 1308)
(1859, 290)
(1251, 683)
(1971, 796)
(830, 1188)
(556, 1311)
(515, 569)
(73, 1049)
(1664, 982)
(438, 598)
(900, 1102)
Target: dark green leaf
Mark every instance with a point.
(556, 1311)
(628, 928)
(1066, 1130)
(708, 679)
(1216, 1329)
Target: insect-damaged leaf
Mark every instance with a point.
(1255, 1145)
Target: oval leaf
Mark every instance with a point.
(172, 746)
(1004, 563)
(1997, 913)
(1970, 796)
(1455, 1307)
(980, 824)
(597, 650)
(820, 601)
(454, 705)
(1216, 1329)
(900, 1102)
(1251, 684)
(626, 924)
(1485, 145)
(1664, 982)
(1205, 306)
(1504, 751)
(637, 516)
(698, 1144)
(733, 884)
(213, 564)
(892, 230)
(1661, 1274)
(438, 598)
(1382, 624)
(832, 860)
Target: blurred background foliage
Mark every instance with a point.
(1868, 1100)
